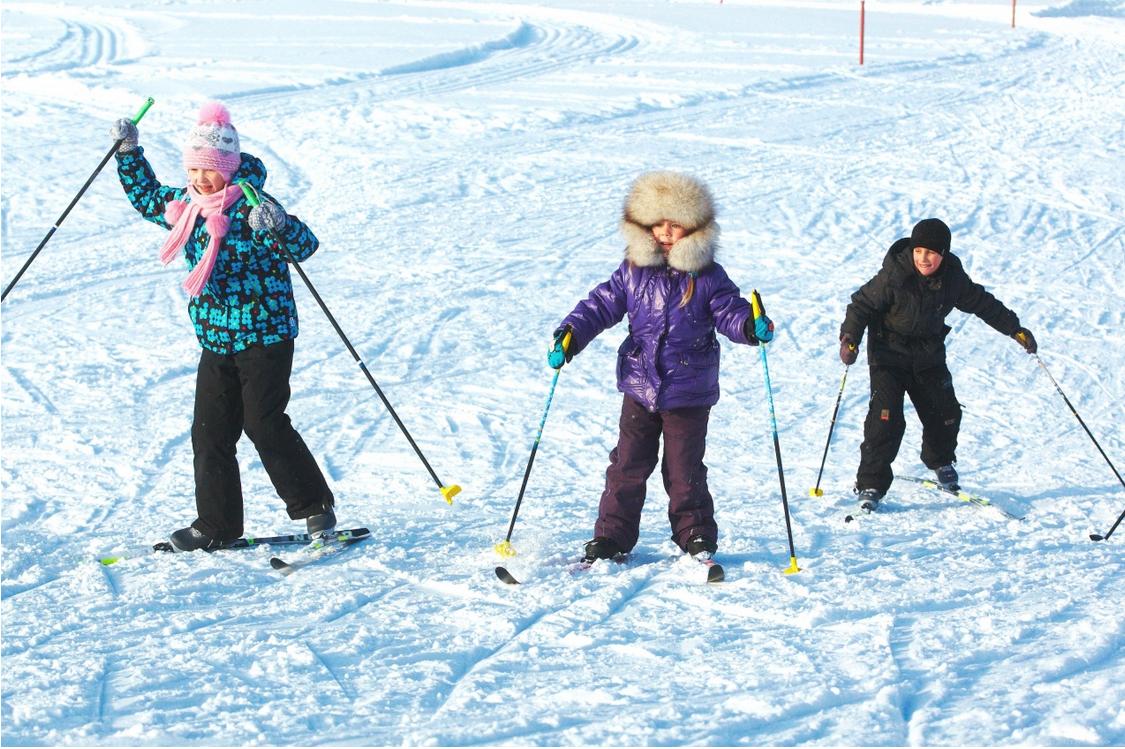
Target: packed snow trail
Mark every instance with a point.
(463, 165)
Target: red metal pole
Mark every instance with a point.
(861, 24)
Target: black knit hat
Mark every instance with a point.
(931, 233)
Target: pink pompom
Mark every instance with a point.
(215, 112)
(218, 224)
(173, 210)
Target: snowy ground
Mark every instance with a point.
(463, 164)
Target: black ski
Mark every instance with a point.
(506, 576)
(962, 495)
(328, 544)
(572, 568)
(246, 542)
(715, 572)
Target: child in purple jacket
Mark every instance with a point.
(676, 297)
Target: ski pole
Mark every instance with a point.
(105, 160)
(1093, 536)
(816, 491)
(759, 311)
(504, 548)
(1099, 537)
(448, 491)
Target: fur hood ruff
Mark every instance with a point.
(659, 196)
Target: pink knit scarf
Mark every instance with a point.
(182, 215)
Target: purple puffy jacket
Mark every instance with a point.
(670, 359)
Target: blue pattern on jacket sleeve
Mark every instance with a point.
(142, 188)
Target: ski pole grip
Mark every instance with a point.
(248, 191)
(756, 304)
(144, 108)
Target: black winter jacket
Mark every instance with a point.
(905, 311)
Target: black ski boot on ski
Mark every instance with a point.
(190, 539)
(320, 524)
(701, 547)
(869, 499)
(600, 548)
(947, 477)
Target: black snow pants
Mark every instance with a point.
(931, 392)
(249, 391)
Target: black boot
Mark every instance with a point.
(869, 499)
(947, 477)
(190, 539)
(698, 545)
(320, 524)
(601, 548)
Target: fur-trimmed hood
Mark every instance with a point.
(659, 196)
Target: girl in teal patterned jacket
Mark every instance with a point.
(240, 300)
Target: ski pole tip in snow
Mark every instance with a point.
(106, 561)
(505, 549)
(449, 492)
(816, 491)
(144, 108)
(792, 569)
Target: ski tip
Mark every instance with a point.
(278, 563)
(716, 574)
(106, 561)
(506, 576)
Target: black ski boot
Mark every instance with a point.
(869, 499)
(600, 548)
(947, 477)
(190, 539)
(321, 524)
(701, 547)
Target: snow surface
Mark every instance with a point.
(464, 164)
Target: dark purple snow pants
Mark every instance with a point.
(691, 510)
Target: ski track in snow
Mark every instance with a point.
(463, 165)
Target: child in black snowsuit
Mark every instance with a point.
(904, 308)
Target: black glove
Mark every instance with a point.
(1024, 338)
(557, 357)
(267, 216)
(849, 351)
(125, 131)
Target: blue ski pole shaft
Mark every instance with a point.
(505, 547)
(82, 191)
(756, 301)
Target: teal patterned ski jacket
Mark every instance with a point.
(248, 299)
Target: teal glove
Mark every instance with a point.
(558, 355)
(763, 328)
(758, 331)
